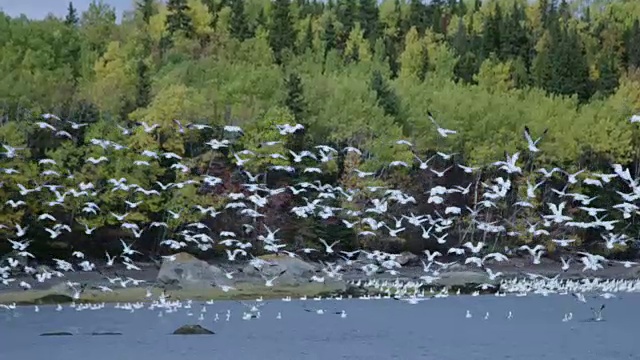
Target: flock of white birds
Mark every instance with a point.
(556, 224)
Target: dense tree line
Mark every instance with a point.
(354, 72)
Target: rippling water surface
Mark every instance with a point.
(373, 329)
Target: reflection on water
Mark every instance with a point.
(373, 329)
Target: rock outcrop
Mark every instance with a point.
(192, 330)
(407, 258)
(186, 271)
(57, 333)
(294, 271)
(463, 278)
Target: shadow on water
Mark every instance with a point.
(373, 329)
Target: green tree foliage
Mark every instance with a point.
(178, 19)
(146, 9)
(281, 31)
(295, 97)
(356, 73)
(238, 25)
(71, 19)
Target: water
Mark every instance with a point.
(374, 329)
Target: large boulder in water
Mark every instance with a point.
(192, 330)
(294, 271)
(185, 271)
(57, 333)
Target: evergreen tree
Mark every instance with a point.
(393, 40)
(281, 32)
(569, 67)
(417, 16)
(608, 75)
(563, 11)
(346, 14)
(261, 20)
(477, 4)
(586, 16)
(238, 25)
(295, 97)
(72, 50)
(541, 65)
(369, 19)
(329, 37)
(307, 40)
(543, 10)
(146, 9)
(387, 98)
(516, 42)
(460, 41)
(466, 68)
(71, 19)
(492, 33)
(434, 16)
(143, 85)
(178, 19)
(632, 45)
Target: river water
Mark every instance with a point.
(373, 329)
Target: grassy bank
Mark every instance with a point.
(242, 292)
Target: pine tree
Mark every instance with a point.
(466, 67)
(261, 20)
(434, 16)
(387, 98)
(329, 37)
(632, 45)
(569, 67)
(541, 65)
(143, 85)
(417, 16)
(178, 19)
(492, 33)
(608, 75)
(516, 42)
(477, 4)
(563, 11)
(460, 41)
(146, 9)
(346, 14)
(238, 24)
(72, 50)
(368, 18)
(295, 101)
(281, 32)
(307, 40)
(393, 40)
(72, 16)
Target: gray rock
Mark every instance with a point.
(57, 333)
(407, 258)
(192, 330)
(188, 271)
(296, 271)
(463, 278)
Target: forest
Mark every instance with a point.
(360, 73)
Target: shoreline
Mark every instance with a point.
(139, 294)
(251, 286)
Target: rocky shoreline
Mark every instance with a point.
(186, 277)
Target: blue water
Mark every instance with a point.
(374, 329)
